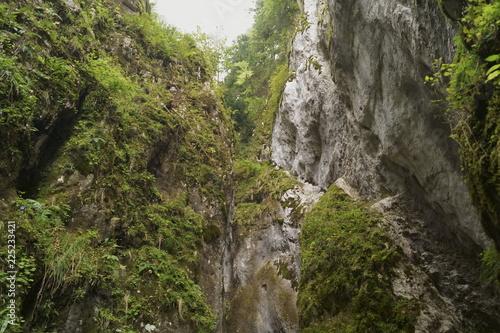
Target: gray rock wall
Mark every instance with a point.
(262, 266)
(359, 109)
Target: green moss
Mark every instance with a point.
(346, 268)
(97, 83)
(259, 187)
(257, 180)
(277, 82)
(247, 213)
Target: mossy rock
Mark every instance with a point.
(347, 263)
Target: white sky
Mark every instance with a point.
(230, 17)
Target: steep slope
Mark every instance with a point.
(115, 167)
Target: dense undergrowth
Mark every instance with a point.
(96, 107)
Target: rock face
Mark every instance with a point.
(359, 109)
(441, 277)
(262, 266)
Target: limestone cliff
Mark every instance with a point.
(366, 114)
(358, 108)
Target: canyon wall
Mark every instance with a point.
(358, 108)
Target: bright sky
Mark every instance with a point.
(230, 17)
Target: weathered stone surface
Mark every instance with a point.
(262, 267)
(437, 274)
(358, 109)
(367, 115)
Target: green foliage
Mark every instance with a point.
(263, 130)
(474, 104)
(259, 180)
(122, 99)
(48, 254)
(303, 23)
(494, 71)
(112, 78)
(159, 280)
(25, 266)
(259, 187)
(254, 60)
(243, 72)
(480, 25)
(249, 215)
(346, 268)
(490, 259)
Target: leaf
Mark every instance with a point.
(493, 75)
(493, 68)
(493, 57)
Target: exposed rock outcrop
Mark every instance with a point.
(358, 108)
(263, 265)
(365, 114)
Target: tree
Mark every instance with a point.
(254, 58)
(215, 50)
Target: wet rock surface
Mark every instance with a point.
(263, 266)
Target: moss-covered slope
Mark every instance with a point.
(114, 165)
(347, 266)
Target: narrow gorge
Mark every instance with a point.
(344, 176)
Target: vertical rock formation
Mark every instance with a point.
(262, 263)
(359, 108)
